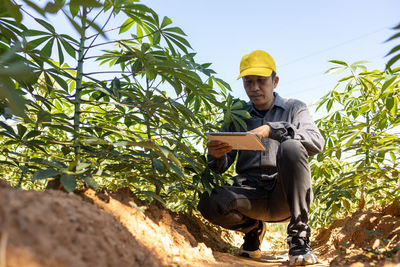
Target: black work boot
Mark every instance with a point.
(252, 242)
(300, 251)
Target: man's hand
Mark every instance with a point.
(217, 148)
(262, 131)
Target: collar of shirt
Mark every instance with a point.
(278, 102)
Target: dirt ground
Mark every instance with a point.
(53, 228)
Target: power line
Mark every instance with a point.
(312, 76)
(333, 47)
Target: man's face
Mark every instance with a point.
(260, 90)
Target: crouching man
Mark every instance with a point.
(272, 185)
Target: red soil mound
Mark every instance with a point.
(53, 228)
(366, 236)
(59, 229)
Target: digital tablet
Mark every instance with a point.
(238, 140)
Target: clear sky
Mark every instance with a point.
(301, 36)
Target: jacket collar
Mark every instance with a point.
(279, 102)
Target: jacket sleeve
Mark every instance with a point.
(302, 128)
(220, 165)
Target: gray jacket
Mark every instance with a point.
(288, 119)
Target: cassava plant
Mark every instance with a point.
(360, 166)
(108, 106)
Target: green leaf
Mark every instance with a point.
(90, 181)
(47, 49)
(54, 7)
(166, 21)
(392, 61)
(126, 25)
(21, 130)
(175, 30)
(335, 70)
(9, 129)
(15, 101)
(31, 32)
(36, 42)
(394, 49)
(387, 83)
(44, 174)
(176, 169)
(32, 134)
(339, 62)
(86, 3)
(70, 50)
(329, 105)
(178, 39)
(351, 140)
(363, 109)
(242, 113)
(158, 164)
(397, 35)
(61, 82)
(151, 195)
(12, 9)
(74, 9)
(45, 24)
(237, 105)
(69, 182)
(389, 103)
(60, 53)
(54, 164)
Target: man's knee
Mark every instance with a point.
(216, 205)
(291, 151)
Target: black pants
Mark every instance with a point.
(241, 206)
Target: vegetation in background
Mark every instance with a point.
(137, 119)
(360, 166)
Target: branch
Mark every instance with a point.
(108, 19)
(105, 72)
(115, 41)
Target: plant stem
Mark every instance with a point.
(79, 75)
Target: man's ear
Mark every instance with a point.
(275, 81)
